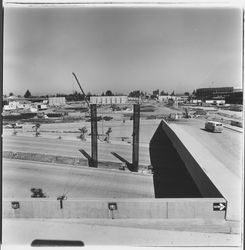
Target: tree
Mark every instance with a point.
(113, 107)
(11, 94)
(27, 94)
(108, 93)
(108, 135)
(14, 127)
(155, 92)
(172, 94)
(83, 131)
(187, 93)
(194, 92)
(79, 96)
(162, 93)
(135, 93)
(36, 127)
(88, 95)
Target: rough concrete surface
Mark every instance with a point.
(23, 232)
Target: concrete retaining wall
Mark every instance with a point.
(126, 208)
(75, 161)
(204, 184)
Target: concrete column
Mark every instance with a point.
(136, 126)
(94, 134)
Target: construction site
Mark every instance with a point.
(149, 169)
(122, 124)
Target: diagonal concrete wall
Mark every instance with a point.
(209, 176)
(176, 172)
(228, 184)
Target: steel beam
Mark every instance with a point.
(136, 127)
(94, 135)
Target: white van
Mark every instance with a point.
(214, 126)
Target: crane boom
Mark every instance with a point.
(85, 97)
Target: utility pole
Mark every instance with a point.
(136, 126)
(94, 135)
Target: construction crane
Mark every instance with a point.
(85, 97)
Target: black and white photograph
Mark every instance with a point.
(122, 124)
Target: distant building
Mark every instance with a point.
(134, 100)
(56, 101)
(213, 93)
(164, 98)
(235, 98)
(182, 98)
(15, 105)
(20, 104)
(172, 98)
(195, 101)
(108, 99)
(41, 106)
(215, 102)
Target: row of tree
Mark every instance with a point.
(77, 96)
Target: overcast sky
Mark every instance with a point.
(121, 49)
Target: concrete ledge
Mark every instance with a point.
(202, 181)
(21, 232)
(206, 169)
(75, 161)
(72, 161)
(126, 208)
(205, 225)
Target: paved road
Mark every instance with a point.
(48, 143)
(71, 147)
(20, 176)
(70, 130)
(219, 155)
(225, 146)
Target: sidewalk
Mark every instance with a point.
(23, 232)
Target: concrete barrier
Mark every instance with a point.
(202, 181)
(68, 160)
(212, 178)
(126, 208)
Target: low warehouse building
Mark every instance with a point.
(56, 101)
(108, 99)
